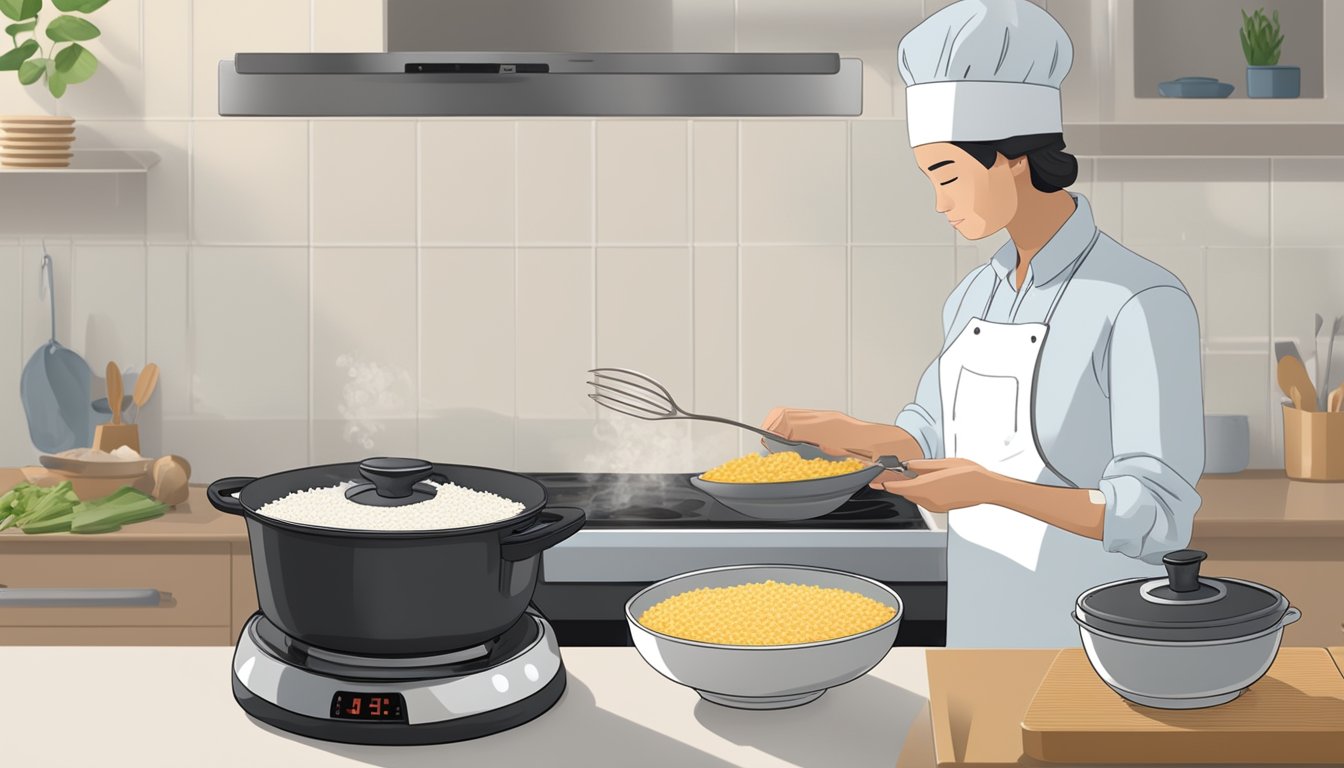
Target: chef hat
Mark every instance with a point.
(984, 70)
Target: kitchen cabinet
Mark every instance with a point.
(195, 558)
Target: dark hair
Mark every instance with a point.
(1052, 169)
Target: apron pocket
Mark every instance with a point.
(988, 406)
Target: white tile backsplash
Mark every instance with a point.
(363, 182)
(467, 176)
(555, 182)
(896, 330)
(714, 192)
(1307, 195)
(14, 353)
(793, 182)
(250, 182)
(364, 356)
(641, 181)
(108, 305)
(249, 334)
(467, 359)
(748, 263)
(793, 334)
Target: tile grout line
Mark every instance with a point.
(311, 295)
(419, 290)
(592, 236)
(1278, 446)
(849, 267)
(516, 276)
(739, 257)
(690, 253)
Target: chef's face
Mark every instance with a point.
(976, 200)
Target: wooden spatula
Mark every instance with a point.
(109, 437)
(1293, 376)
(144, 387)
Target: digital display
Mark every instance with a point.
(387, 707)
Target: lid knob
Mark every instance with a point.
(1183, 569)
(395, 478)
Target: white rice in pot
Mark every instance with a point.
(452, 507)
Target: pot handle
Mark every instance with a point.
(1290, 617)
(554, 525)
(220, 493)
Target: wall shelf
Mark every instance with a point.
(98, 161)
(1205, 139)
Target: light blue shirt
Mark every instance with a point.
(1119, 401)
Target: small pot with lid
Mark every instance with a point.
(395, 592)
(1182, 642)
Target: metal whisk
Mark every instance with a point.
(635, 394)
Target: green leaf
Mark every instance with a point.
(23, 26)
(56, 83)
(20, 10)
(63, 29)
(82, 6)
(11, 61)
(75, 64)
(31, 70)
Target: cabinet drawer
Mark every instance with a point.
(61, 584)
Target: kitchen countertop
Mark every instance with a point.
(1253, 504)
(172, 707)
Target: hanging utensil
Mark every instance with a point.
(1293, 378)
(1328, 383)
(1284, 349)
(635, 394)
(55, 386)
(144, 388)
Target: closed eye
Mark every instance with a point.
(949, 181)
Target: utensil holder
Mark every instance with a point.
(1313, 444)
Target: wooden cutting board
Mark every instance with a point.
(976, 702)
(1293, 715)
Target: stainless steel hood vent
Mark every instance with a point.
(464, 83)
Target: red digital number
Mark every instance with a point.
(375, 707)
(355, 702)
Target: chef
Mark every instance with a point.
(1061, 426)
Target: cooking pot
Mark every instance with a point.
(395, 593)
(1183, 642)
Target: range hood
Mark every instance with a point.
(515, 84)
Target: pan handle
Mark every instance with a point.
(220, 493)
(554, 525)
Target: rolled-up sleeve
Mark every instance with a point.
(1157, 425)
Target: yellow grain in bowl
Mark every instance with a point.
(782, 467)
(766, 613)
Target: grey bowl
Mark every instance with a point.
(764, 676)
(793, 500)
(1182, 675)
(1196, 88)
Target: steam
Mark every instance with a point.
(372, 393)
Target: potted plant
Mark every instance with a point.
(1262, 42)
(56, 58)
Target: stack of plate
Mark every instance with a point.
(36, 142)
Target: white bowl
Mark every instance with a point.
(763, 676)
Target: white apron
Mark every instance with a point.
(1012, 579)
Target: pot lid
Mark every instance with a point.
(393, 482)
(1182, 607)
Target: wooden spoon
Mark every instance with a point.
(144, 387)
(1335, 402)
(1293, 376)
(114, 391)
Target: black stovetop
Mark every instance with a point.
(670, 501)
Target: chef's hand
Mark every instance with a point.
(946, 484)
(825, 428)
